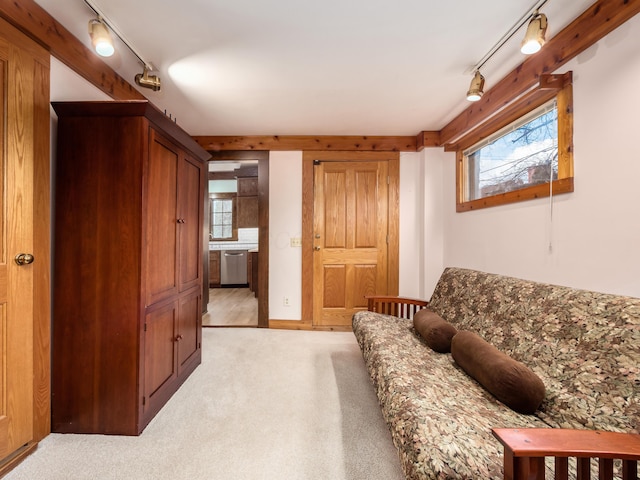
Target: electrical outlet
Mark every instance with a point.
(285, 302)
(296, 241)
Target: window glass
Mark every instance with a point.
(222, 218)
(523, 154)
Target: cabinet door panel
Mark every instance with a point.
(247, 212)
(161, 208)
(159, 356)
(190, 218)
(214, 268)
(189, 319)
(247, 186)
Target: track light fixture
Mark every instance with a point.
(148, 81)
(533, 41)
(99, 29)
(476, 89)
(535, 36)
(100, 37)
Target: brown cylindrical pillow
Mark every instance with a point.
(434, 329)
(508, 380)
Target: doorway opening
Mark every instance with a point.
(236, 253)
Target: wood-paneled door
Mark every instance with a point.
(24, 245)
(350, 238)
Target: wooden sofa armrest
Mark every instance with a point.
(402, 307)
(526, 448)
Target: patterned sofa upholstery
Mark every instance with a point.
(585, 346)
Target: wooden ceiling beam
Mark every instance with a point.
(303, 142)
(34, 21)
(597, 21)
(427, 139)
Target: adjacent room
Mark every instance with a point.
(319, 240)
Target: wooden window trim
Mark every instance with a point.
(559, 87)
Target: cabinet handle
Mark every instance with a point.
(178, 338)
(181, 220)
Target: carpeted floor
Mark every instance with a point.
(264, 404)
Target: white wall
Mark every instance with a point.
(285, 222)
(421, 224)
(594, 232)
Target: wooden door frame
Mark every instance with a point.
(262, 156)
(307, 219)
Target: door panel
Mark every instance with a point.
(189, 318)
(350, 238)
(190, 217)
(159, 348)
(162, 204)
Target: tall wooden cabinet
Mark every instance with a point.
(128, 267)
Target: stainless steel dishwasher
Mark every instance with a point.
(233, 268)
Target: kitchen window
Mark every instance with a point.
(223, 223)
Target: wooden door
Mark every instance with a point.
(190, 219)
(188, 338)
(351, 217)
(162, 222)
(159, 356)
(24, 229)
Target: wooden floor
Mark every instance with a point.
(231, 307)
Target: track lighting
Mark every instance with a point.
(535, 36)
(533, 41)
(148, 81)
(100, 37)
(100, 30)
(476, 89)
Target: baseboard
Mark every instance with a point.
(300, 325)
(13, 460)
(290, 324)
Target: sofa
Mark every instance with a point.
(584, 346)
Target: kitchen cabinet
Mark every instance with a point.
(247, 212)
(214, 268)
(128, 265)
(252, 271)
(247, 186)
(247, 202)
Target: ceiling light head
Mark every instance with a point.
(476, 89)
(535, 36)
(148, 81)
(100, 37)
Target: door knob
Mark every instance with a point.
(316, 248)
(24, 259)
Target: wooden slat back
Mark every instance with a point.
(525, 450)
(401, 307)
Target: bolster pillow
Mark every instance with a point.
(508, 380)
(434, 329)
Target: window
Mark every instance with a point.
(223, 217)
(524, 153)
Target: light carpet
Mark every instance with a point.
(264, 404)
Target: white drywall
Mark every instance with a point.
(421, 231)
(591, 237)
(285, 222)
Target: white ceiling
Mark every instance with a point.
(307, 67)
